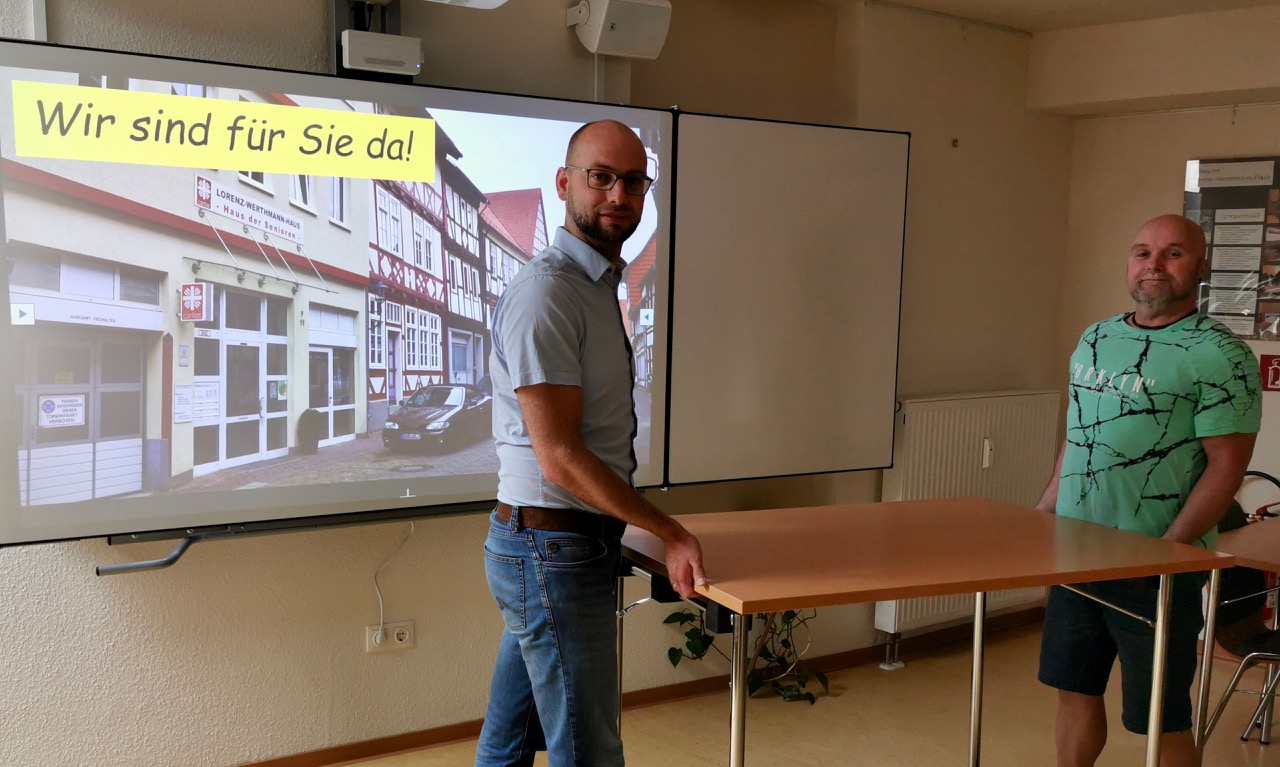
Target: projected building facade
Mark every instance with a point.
(120, 390)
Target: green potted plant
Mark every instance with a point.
(777, 662)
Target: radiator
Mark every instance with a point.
(998, 445)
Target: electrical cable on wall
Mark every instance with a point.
(382, 626)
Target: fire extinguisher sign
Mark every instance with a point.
(1270, 372)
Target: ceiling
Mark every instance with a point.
(1046, 15)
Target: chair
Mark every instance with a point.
(1242, 630)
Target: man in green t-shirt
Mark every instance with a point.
(1164, 408)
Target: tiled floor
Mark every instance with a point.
(916, 716)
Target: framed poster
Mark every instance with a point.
(1237, 204)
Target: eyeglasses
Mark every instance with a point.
(599, 178)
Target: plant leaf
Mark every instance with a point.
(789, 616)
(822, 679)
(810, 697)
(674, 655)
(753, 686)
(681, 618)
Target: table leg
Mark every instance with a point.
(621, 616)
(738, 689)
(1264, 736)
(1206, 661)
(975, 702)
(1157, 671)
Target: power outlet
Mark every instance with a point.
(388, 637)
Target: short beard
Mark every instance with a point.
(589, 224)
(1162, 301)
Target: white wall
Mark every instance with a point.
(252, 648)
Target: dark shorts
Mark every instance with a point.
(1082, 639)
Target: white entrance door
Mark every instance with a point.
(331, 381)
(245, 407)
(393, 367)
(460, 358)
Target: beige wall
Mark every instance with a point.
(16, 19)
(1203, 59)
(521, 47)
(987, 193)
(753, 58)
(253, 648)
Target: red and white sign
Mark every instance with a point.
(197, 302)
(1270, 372)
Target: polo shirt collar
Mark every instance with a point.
(582, 254)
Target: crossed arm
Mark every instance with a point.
(553, 415)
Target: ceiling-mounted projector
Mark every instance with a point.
(632, 28)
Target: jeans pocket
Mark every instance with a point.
(576, 551)
(506, 584)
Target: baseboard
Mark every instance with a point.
(336, 756)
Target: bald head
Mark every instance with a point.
(1166, 263)
(603, 159)
(610, 134)
(1172, 228)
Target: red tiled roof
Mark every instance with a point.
(520, 212)
(493, 222)
(640, 268)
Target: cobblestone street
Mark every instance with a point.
(358, 460)
(364, 458)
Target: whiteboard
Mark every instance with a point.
(785, 295)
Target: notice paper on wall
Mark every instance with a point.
(1237, 204)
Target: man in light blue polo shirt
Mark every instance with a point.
(564, 422)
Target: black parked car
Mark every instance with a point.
(440, 414)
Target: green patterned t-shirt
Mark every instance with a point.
(1140, 401)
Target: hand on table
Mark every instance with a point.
(684, 562)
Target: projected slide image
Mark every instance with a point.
(264, 316)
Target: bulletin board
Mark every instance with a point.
(1237, 204)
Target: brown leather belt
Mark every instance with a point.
(563, 520)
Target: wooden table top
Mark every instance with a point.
(1256, 545)
(776, 559)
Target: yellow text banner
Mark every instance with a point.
(73, 122)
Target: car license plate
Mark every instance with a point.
(410, 436)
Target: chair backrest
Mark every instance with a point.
(1234, 519)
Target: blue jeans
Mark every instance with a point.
(555, 682)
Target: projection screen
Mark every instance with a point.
(786, 285)
(240, 295)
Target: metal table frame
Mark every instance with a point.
(720, 620)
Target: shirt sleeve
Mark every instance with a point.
(539, 333)
(1229, 390)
